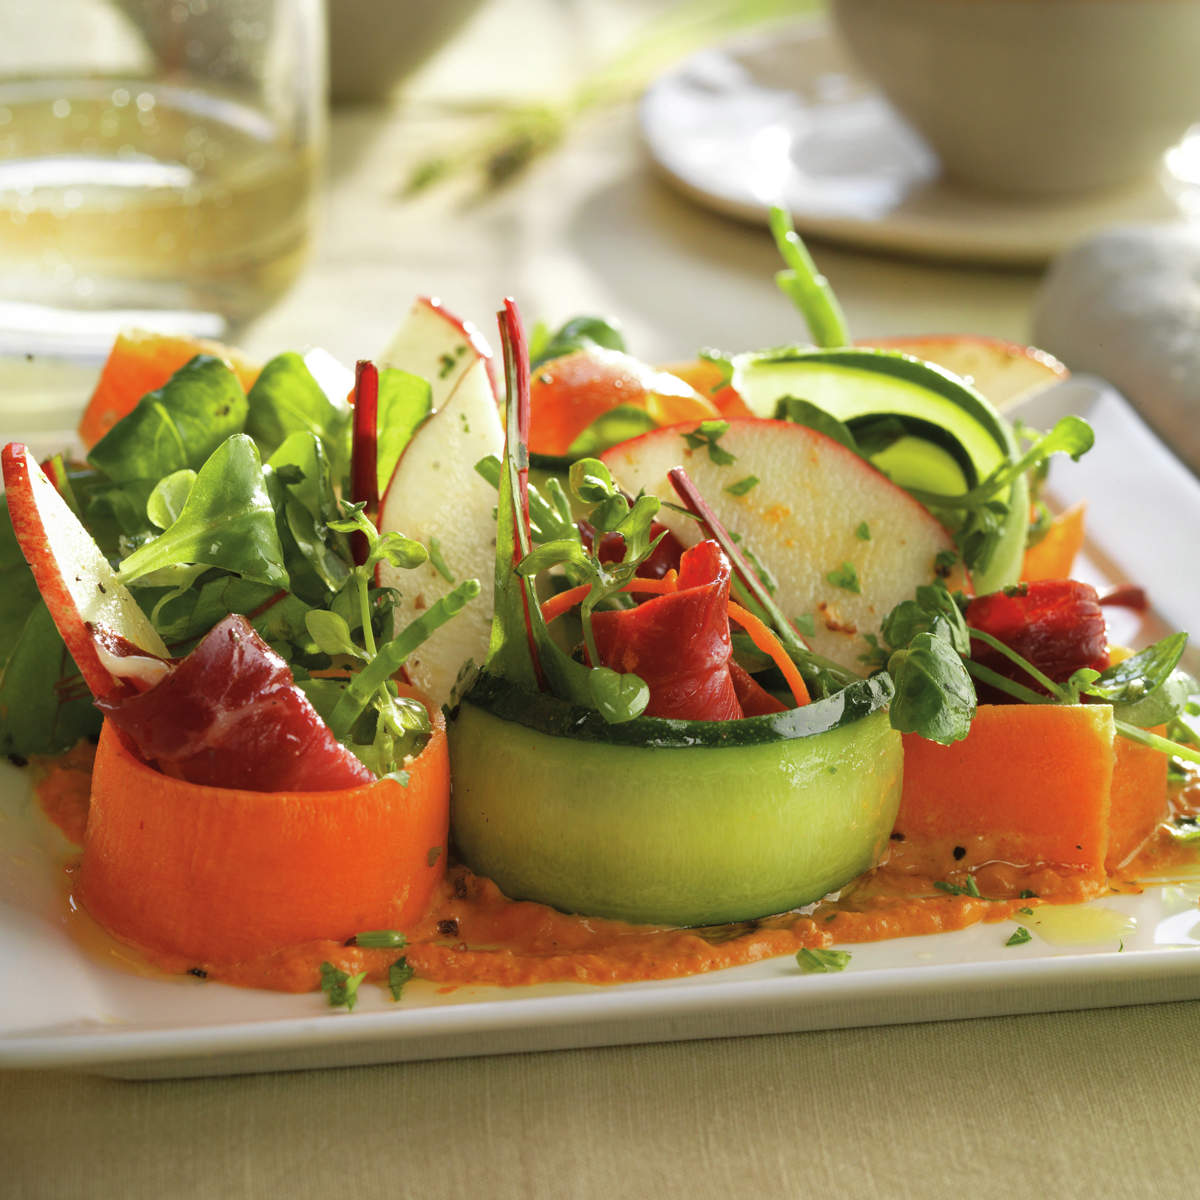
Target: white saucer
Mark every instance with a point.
(784, 118)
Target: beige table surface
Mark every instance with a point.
(1079, 1104)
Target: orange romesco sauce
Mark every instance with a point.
(473, 934)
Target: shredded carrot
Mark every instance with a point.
(565, 601)
(767, 642)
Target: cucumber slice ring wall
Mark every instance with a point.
(854, 383)
(672, 822)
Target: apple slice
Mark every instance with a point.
(111, 640)
(1005, 372)
(843, 544)
(435, 344)
(436, 496)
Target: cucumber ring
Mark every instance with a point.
(672, 822)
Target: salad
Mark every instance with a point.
(581, 669)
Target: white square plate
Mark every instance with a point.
(67, 1001)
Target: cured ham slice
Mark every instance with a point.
(679, 642)
(1056, 624)
(230, 715)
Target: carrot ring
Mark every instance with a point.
(220, 875)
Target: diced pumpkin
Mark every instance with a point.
(708, 379)
(1138, 801)
(1029, 785)
(1054, 555)
(141, 361)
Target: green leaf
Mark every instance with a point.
(18, 592)
(227, 522)
(177, 426)
(331, 633)
(287, 399)
(45, 707)
(1020, 936)
(934, 693)
(169, 496)
(591, 481)
(846, 578)
(707, 436)
(341, 988)
(399, 973)
(822, 962)
(405, 401)
(804, 412)
(618, 697)
(932, 610)
(579, 333)
(742, 486)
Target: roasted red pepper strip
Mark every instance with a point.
(230, 715)
(1057, 624)
(679, 642)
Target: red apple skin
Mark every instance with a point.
(446, 331)
(89, 605)
(815, 510)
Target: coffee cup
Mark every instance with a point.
(1034, 97)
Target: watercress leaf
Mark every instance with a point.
(287, 399)
(606, 516)
(1135, 677)
(405, 400)
(331, 633)
(399, 551)
(169, 496)
(179, 425)
(551, 554)
(1164, 704)
(591, 481)
(934, 694)
(617, 425)
(227, 522)
(617, 697)
(579, 333)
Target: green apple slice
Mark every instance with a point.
(672, 822)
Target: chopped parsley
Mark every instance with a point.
(707, 435)
(822, 961)
(341, 988)
(438, 562)
(846, 578)
(743, 485)
(1020, 936)
(863, 532)
(970, 888)
(805, 624)
(399, 973)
